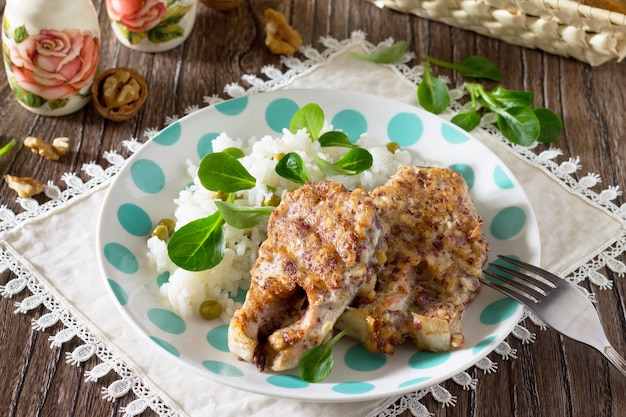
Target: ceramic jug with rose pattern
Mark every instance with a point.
(51, 51)
(152, 25)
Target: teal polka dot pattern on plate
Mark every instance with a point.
(166, 321)
(351, 122)
(232, 107)
(425, 360)
(240, 297)
(508, 222)
(405, 129)
(279, 112)
(148, 176)
(467, 172)
(453, 135)
(222, 368)
(414, 381)
(498, 311)
(359, 359)
(165, 345)
(205, 144)
(353, 388)
(287, 381)
(162, 278)
(501, 179)
(121, 258)
(134, 219)
(482, 345)
(218, 338)
(169, 136)
(120, 294)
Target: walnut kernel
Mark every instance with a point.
(26, 187)
(118, 93)
(61, 145)
(53, 152)
(280, 37)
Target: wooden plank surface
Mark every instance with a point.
(552, 377)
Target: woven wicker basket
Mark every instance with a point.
(561, 27)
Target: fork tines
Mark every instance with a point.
(531, 288)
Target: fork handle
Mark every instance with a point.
(611, 354)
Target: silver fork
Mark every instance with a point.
(556, 302)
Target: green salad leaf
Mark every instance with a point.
(473, 66)
(243, 217)
(310, 117)
(388, 55)
(291, 167)
(317, 363)
(467, 121)
(221, 171)
(198, 245)
(329, 169)
(501, 97)
(6, 148)
(519, 125)
(234, 152)
(335, 138)
(432, 93)
(356, 160)
(551, 125)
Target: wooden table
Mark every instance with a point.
(552, 377)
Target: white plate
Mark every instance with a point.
(143, 193)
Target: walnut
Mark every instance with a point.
(61, 145)
(119, 93)
(222, 5)
(281, 38)
(26, 187)
(53, 152)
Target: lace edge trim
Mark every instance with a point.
(275, 78)
(75, 187)
(92, 343)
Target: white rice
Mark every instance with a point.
(186, 290)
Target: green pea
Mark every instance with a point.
(161, 232)
(392, 147)
(273, 201)
(220, 195)
(210, 309)
(170, 224)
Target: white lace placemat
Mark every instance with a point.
(51, 250)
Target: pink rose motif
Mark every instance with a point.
(137, 15)
(56, 64)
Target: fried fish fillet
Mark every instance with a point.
(324, 248)
(435, 254)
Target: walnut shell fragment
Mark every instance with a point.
(119, 93)
(280, 37)
(25, 187)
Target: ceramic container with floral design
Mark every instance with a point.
(51, 51)
(152, 25)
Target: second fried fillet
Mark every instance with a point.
(435, 254)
